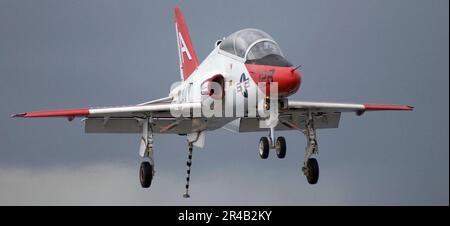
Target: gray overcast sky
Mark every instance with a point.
(64, 54)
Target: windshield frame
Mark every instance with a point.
(262, 40)
(231, 46)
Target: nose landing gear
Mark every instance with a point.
(267, 143)
(280, 147)
(264, 147)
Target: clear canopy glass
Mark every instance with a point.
(253, 42)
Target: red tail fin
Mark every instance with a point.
(188, 58)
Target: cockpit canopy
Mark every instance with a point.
(255, 46)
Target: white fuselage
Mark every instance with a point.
(232, 68)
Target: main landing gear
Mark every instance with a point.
(310, 165)
(146, 171)
(146, 174)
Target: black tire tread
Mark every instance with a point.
(146, 174)
(265, 152)
(281, 152)
(313, 166)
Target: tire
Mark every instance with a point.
(146, 174)
(280, 147)
(264, 147)
(312, 167)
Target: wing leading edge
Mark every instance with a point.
(345, 107)
(124, 111)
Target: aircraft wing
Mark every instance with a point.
(157, 109)
(325, 114)
(323, 107)
(127, 119)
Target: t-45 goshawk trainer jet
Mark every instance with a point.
(242, 86)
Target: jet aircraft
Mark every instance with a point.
(243, 85)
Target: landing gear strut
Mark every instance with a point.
(267, 143)
(267, 103)
(310, 165)
(146, 171)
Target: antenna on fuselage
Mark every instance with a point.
(299, 66)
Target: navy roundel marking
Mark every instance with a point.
(243, 84)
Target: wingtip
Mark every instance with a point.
(382, 107)
(20, 115)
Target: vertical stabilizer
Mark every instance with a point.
(188, 58)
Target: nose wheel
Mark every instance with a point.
(280, 147)
(264, 147)
(267, 143)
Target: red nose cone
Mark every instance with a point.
(287, 78)
(288, 81)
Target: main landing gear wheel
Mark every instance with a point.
(311, 171)
(264, 147)
(280, 147)
(146, 174)
(310, 166)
